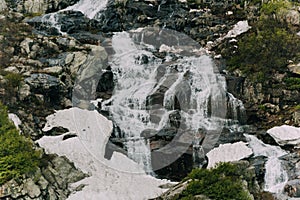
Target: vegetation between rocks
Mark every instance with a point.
(17, 154)
(222, 182)
(268, 47)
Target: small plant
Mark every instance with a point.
(17, 155)
(222, 182)
(13, 79)
(297, 107)
(265, 49)
(274, 7)
(31, 15)
(293, 83)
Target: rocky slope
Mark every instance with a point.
(39, 66)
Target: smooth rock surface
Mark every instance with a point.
(228, 152)
(285, 135)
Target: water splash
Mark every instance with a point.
(275, 177)
(90, 8)
(189, 84)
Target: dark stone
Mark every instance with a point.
(178, 170)
(167, 133)
(266, 138)
(148, 133)
(175, 119)
(70, 22)
(235, 85)
(259, 164)
(86, 37)
(228, 136)
(47, 85)
(106, 82)
(68, 136)
(57, 131)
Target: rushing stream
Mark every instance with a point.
(275, 177)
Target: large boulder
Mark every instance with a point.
(48, 86)
(228, 153)
(285, 135)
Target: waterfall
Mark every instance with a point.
(275, 176)
(90, 8)
(189, 84)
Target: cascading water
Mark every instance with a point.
(275, 176)
(90, 8)
(190, 81)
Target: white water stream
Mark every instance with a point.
(203, 108)
(90, 8)
(275, 177)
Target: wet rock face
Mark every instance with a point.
(106, 84)
(69, 22)
(202, 25)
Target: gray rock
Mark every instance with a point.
(293, 17)
(55, 70)
(43, 183)
(296, 117)
(89, 75)
(292, 188)
(78, 58)
(67, 171)
(40, 6)
(3, 5)
(25, 45)
(11, 189)
(52, 194)
(295, 68)
(44, 84)
(31, 188)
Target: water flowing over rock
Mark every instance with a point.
(275, 176)
(162, 106)
(73, 19)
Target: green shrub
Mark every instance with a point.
(275, 6)
(17, 156)
(267, 48)
(297, 107)
(13, 80)
(293, 83)
(222, 182)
